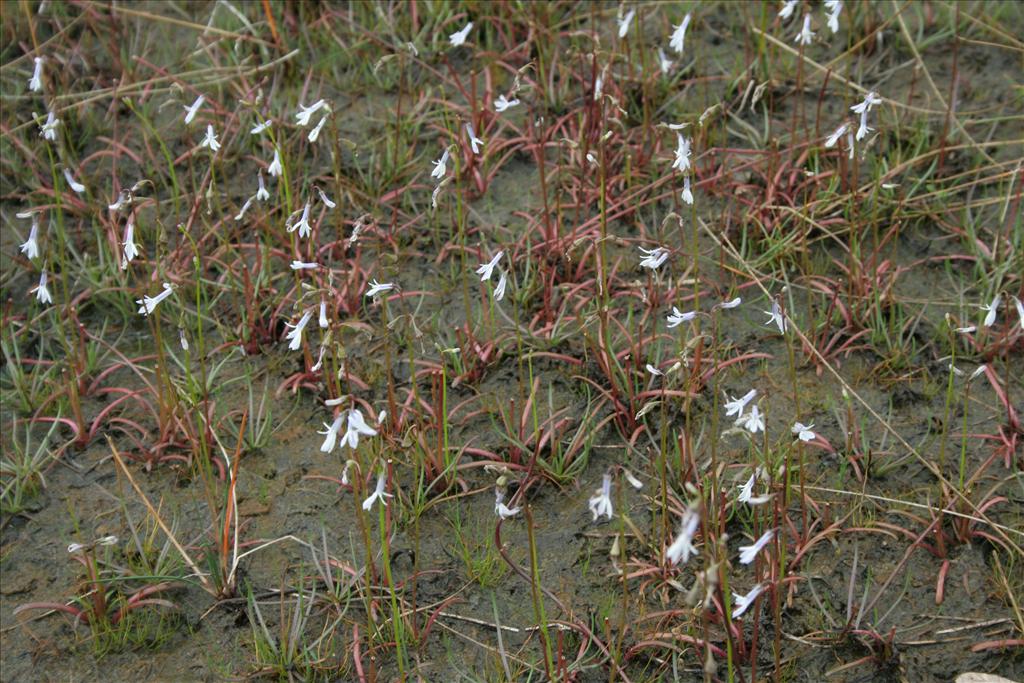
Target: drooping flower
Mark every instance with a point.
(679, 34)
(806, 35)
(315, 133)
(303, 226)
(328, 202)
(993, 310)
(49, 129)
(871, 100)
(356, 426)
(260, 127)
(322, 321)
(682, 547)
(753, 422)
(211, 139)
(378, 287)
(30, 248)
(803, 432)
(747, 493)
(41, 291)
(474, 142)
(245, 207)
(502, 103)
(319, 360)
(331, 434)
(788, 7)
(601, 502)
(834, 138)
(275, 166)
(732, 303)
(633, 481)
(749, 552)
(687, 193)
(598, 86)
(378, 493)
(664, 62)
(736, 406)
(776, 317)
(76, 187)
(261, 194)
(743, 602)
(499, 291)
(148, 304)
(306, 113)
(485, 270)
(303, 265)
(191, 110)
(653, 258)
(683, 152)
(1020, 311)
(131, 249)
(678, 317)
(654, 370)
(440, 166)
(182, 339)
(459, 37)
(295, 334)
(833, 8)
(624, 23)
(35, 84)
(500, 508)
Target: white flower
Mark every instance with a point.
(665, 63)
(245, 207)
(733, 303)
(598, 86)
(977, 372)
(849, 145)
(601, 502)
(753, 422)
(35, 84)
(683, 151)
(834, 7)
(743, 602)
(378, 493)
(736, 406)
(993, 309)
(633, 481)
(182, 339)
(654, 370)
(31, 246)
(49, 129)
(624, 23)
(41, 291)
(870, 101)
(459, 37)
(190, 111)
(380, 418)
(678, 317)
(679, 35)
(319, 360)
(966, 330)
(131, 249)
(499, 291)
(356, 426)
(687, 194)
(315, 133)
(260, 127)
(747, 491)
(1020, 311)
(653, 258)
(75, 547)
(440, 166)
(148, 304)
(302, 265)
(803, 432)
(485, 270)
(303, 226)
(306, 113)
(295, 335)
(123, 200)
(501, 104)
(775, 316)
(474, 142)
(378, 287)
(345, 470)
(261, 194)
(211, 138)
(834, 138)
(863, 129)
(682, 547)
(749, 552)
(331, 433)
(325, 199)
(76, 187)
(324, 324)
(788, 7)
(500, 508)
(806, 35)
(275, 166)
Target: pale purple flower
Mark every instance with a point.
(678, 317)
(776, 317)
(654, 370)
(315, 133)
(803, 432)
(260, 127)
(788, 7)
(302, 265)
(993, 310)
(475, 143)
(485, 270)
(732, 303)
(736, 406)
(834, 138)
(502, 103)
(245, 207)
(440, 166)
(833, 8)
(261, 194)
(331, 434)
(653, 258)
(49, 129)
(687, 193)
(743, 602)
(41, 291)
(601, 502)
(303, 226)
(322, 321)
(753, 422)
(1020, 310)
(747, 493)
(749, 552)
(35, 84)
(131, 249)
(499, 291)
(664, 62)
